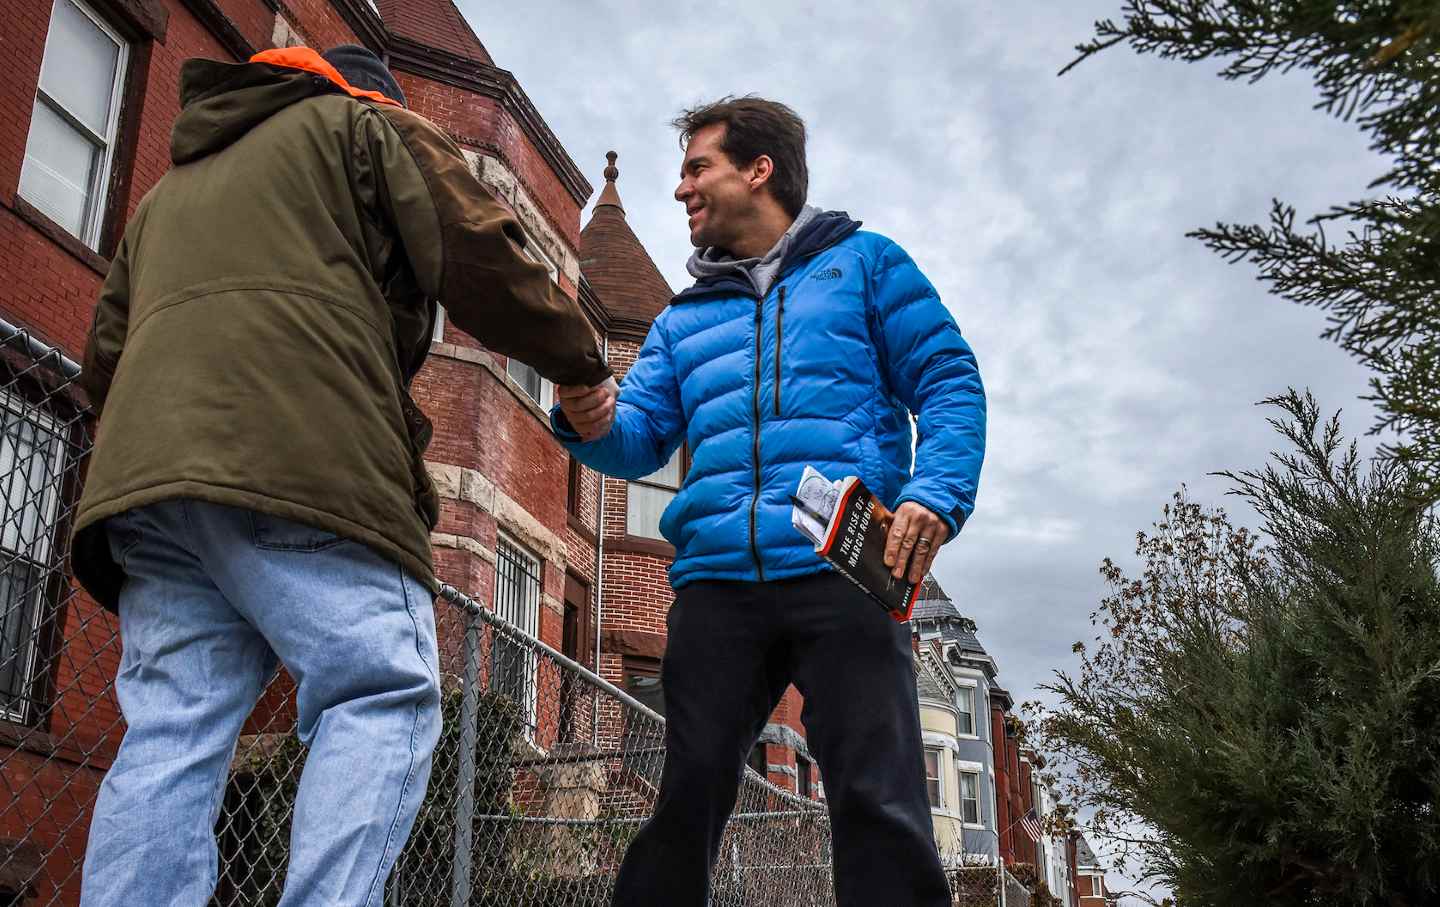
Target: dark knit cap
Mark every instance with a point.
(362, 69)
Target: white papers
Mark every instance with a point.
(817, 497)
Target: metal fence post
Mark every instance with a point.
(465, 784)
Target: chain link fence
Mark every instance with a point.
(543, 774)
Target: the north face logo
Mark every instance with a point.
(827, 274)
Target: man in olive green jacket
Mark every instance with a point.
(256, 491)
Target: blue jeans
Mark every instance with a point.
(214, 596)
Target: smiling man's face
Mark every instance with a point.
(717, 195)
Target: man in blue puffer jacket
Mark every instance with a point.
(803, 341)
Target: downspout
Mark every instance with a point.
(600, 556)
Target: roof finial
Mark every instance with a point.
(609, 195)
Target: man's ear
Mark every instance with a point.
(761, 169)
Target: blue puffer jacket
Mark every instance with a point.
(823, 371)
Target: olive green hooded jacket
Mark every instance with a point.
(245, 350)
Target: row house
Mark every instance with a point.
(86, 105)
(983, 781)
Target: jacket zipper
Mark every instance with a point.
(755, 494)
(779, 336)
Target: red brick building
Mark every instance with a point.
(86, 104)
(1089, 875)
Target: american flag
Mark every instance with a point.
(1031, 823)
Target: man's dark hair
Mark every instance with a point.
(755, 126)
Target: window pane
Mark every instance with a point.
(970, 797)
(59, 164)
(932, 776)
(669, 474)
(646, 688)
(19, 584)
(643, 509)
(967, 710)
(79, 67)
(527, 378)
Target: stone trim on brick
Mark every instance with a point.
(634, 544)
(407, 55)
(640, 643)
(144, 19)
(784, 735)
(458, 483)
(492, 171)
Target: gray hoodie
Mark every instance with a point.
(761, 272)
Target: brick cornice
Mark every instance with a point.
(592, 307)
(634, 329)
(407, 55)
(222, 27)
(365, 21)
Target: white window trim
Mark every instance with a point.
(538, 255)
(973, 688)
(547, 387)
(93, 221)
(939, 776)
(970, 768)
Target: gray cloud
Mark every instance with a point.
(1121, 358)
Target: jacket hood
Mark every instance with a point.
(820, 233)
(220, 102)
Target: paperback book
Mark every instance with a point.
(848, 526)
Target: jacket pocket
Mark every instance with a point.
(273, 533)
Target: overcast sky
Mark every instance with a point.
(1120, 358)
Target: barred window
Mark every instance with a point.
(32, 464)
(71, 147)
(517, 599)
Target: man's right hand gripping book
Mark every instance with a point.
(848, 525)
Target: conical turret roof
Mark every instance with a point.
(614, 261)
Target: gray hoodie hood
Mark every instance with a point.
(760, 272)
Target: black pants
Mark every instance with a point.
(733, 649)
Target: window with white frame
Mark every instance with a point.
(934, 785)
(71, 146)
(438, 335)
(965, 703)
(517, 599)
(535, 387)
(539, 389)
(536, 254)
(647, 498)
(32, 464)
(970, 797)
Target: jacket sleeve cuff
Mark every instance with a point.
(954, 520)
(561, 426)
